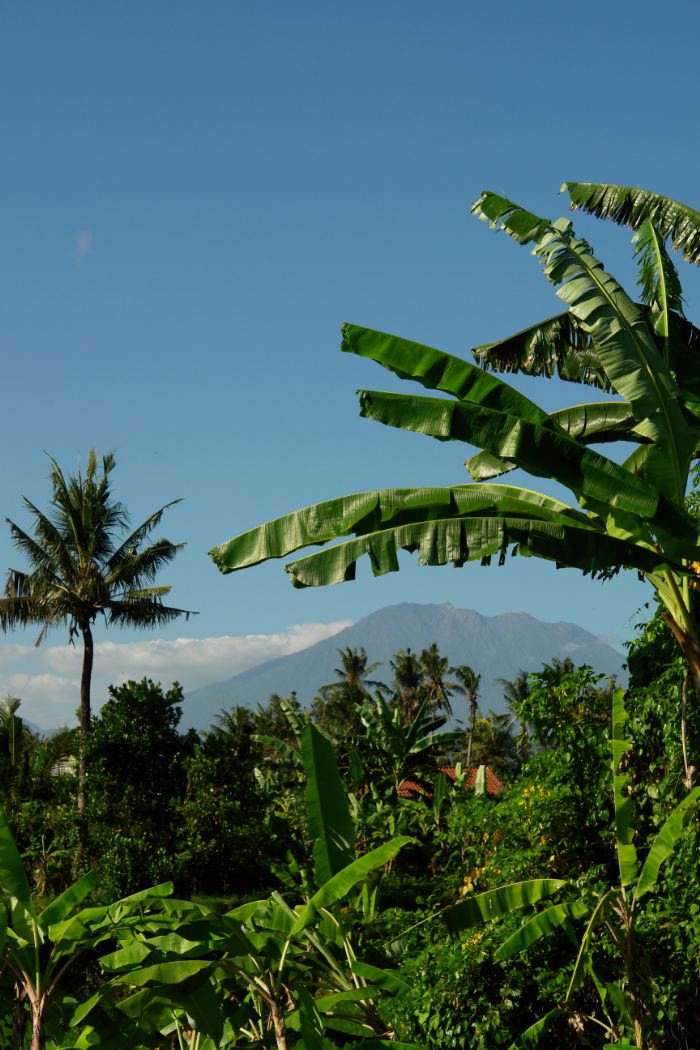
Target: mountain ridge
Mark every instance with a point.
(495, 646)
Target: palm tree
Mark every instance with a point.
(515, 691)
(435, 667)
(495, 745)
(407, 683)
(629, 514)
(469, 685)
(82, 566)
(28, 762)
(337, 707)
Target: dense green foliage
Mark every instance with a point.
(252, 811)
(356, 876)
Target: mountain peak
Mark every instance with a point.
(495, 646)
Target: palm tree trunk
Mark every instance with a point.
(85, 679)
(472, 727)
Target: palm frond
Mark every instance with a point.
(143, 611)
(631, 206)
(142, 566)
(41, 557)
(134, 540)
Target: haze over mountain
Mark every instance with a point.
(495, 646)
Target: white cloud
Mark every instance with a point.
(83, 245)
(47, 679)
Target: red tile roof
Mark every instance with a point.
(493, 784)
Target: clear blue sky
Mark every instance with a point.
(195, 196)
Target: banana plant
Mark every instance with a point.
(39, 945)
(625, 1005)
(622, 515)
(394, 749)
(267, 970)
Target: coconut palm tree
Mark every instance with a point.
(622, 515)
(435, 684)
(407, 683)
(338, 705)
(28, 763)
(83, 566)
(495, 744)
(468, 684)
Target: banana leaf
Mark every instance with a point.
(595, 423)
(172, 972)
(459, 540)
(339, 885)
(665, 842)
(13, 880)
(630, 206)
(328, 812)
(540, 925)
(502, 901)
(624, 806)
(387, 980)
(597, 916)
(62, 907)
(531, 1037)
(540, 450)
(622, 337)
(557, 346)
(439, 371)
(367, 512)
(310, 1023)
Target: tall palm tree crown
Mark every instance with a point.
(82, 567)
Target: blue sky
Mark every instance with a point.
(196, 196)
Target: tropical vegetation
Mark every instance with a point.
(391, 866)
(82, 565)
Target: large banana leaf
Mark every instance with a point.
(630, 206)
(454, 524)
(531, 1037)
(62, 907)
(596, 423)
(458, 540)
(342, 882)
(539, 450)
(540, 925)
(364, 513)
(310, 1023)
(502, 901)
(658, 280)
(622, 337)
(439, 371)
(387, 980)
(558, 346)
(13, 880)
(598, 914)
(664, 843)
(624, 806)
(328, 812)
